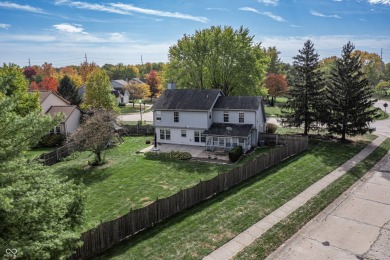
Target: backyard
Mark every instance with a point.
(129, 181)
(198, 231)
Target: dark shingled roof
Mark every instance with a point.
(67, 110)
(238, 102)
(186, 99)
(242, 130)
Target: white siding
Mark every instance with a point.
(176, 137)
(52, 100)
(197, 120)
(73, 122)
(249, 117)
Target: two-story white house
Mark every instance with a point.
(208, 118)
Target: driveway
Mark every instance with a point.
(148, 116)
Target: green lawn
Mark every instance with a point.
(275, 110)
(203, 228)
(35, 152)
(129, 180)
(130, 109)
(282, 231)
(382, 115)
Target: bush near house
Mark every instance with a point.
(52, 140)
(168, 155)
(235, 153)
(271, 128)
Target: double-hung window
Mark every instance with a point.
(241, 116)
(176, 117)
(183, 133)
(165, 134)
(226, 116)
(158, 116)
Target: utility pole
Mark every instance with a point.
(142, 62)
(29, 64)
(86, 60)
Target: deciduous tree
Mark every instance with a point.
(349, 97)
(95, 133)
(153, 80)
(276, 85)
(304, 107)
(98, 91)
(49, 83)
(218, 58)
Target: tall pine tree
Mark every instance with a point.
(349, 97)
(306, 90)
(68, 90)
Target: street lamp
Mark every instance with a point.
(140, 110)
(385, 105)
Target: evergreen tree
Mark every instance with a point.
(306, 90)
(349, 97)
(68, 90)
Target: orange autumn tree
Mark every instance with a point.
(276, 85)
(49, 83)
(154, 82)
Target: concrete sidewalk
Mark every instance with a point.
(244, 239)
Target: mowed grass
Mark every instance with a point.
(198, 231)
(275, 110)
(128, 180)
(277, 235)
(36, 152)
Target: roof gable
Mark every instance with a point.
(67, 110)
(43, 94)
(238, 102)
(187, 99)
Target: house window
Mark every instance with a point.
(225, 116)
(58, 129)
(241, 117)
(202, 138)
(221, 141)
(158, 116)
(162, 134)
(199, 137)
(175, 117)
(168, 134)
(196, 136)
(165, 134)
(183, 133)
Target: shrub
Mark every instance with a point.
(168, 155)
(235, 153)
(147, 142)
(271, 128)
(121, 105)
(52, 140)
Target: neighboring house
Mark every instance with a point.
(53, 104)
(118, 89)
(208, 118)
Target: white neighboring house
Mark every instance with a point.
(118, 89)
(208, 118)
(53, 104)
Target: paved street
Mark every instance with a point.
(382, 126)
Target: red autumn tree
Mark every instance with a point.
(49, 83)
(29, 73)
(276, 85)
(153, 80)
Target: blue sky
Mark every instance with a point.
(61, 32)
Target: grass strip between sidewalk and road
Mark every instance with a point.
(282, 231)
(200, 230)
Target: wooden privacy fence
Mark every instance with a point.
(56, 155)
(110, 233)
(139, 129)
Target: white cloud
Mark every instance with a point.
(217, 9)
(93, 7)
(383, 2)
(269, 2)
(363, 20)
(27, 8)
(64, 27)
(269, 14)
(315, 13)
(128, 9)
(296, 26)
(4, 26)
(132, 8)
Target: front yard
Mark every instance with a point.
(198, 231)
